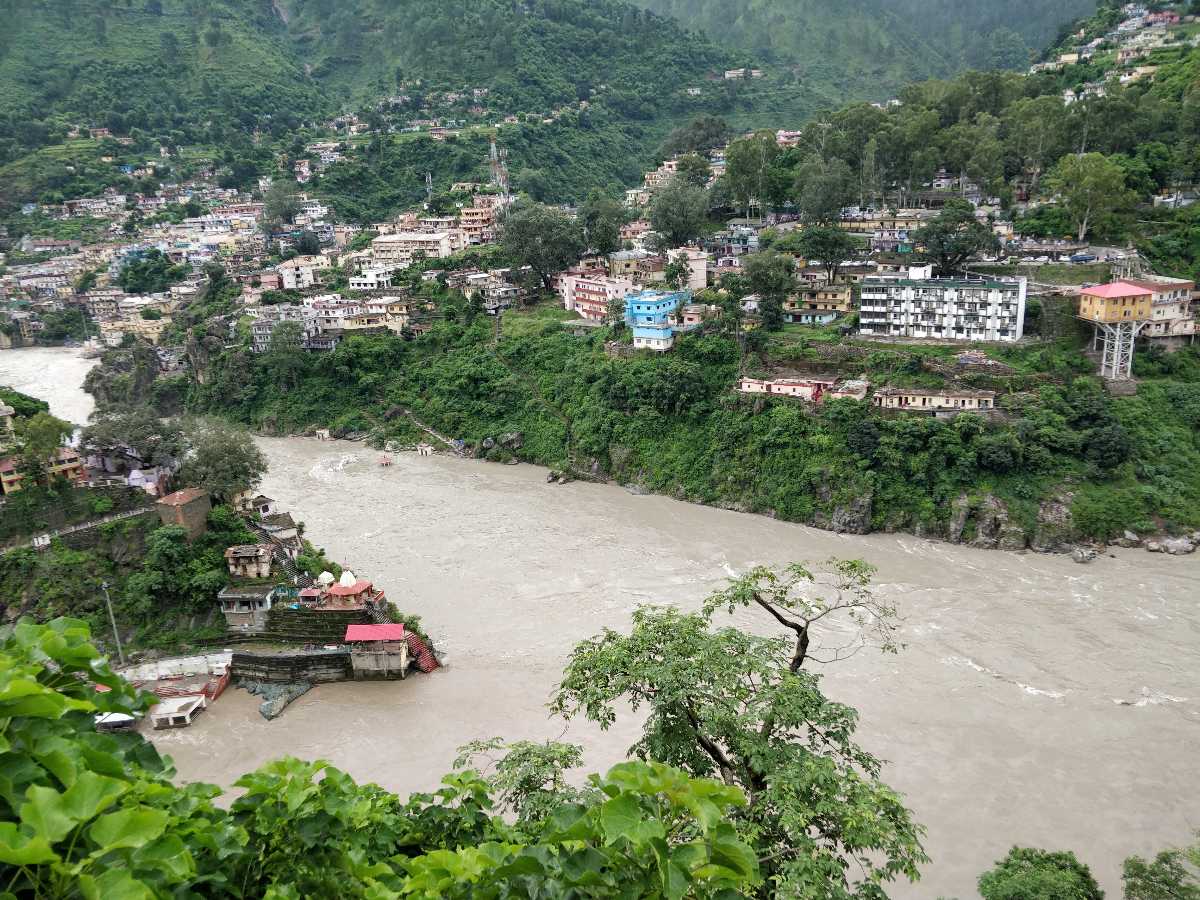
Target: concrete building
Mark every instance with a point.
(188, 508)
(934, 401)
(249, 561)
(809, 389)
(1118, 312)
(1172, 322)
(650, 315)
(404, 246)
(917, 305)
(590, 294)
(696, 261)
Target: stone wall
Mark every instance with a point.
(313, 667)
(312, 626)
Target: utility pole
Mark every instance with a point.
(113, 620)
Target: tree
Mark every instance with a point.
(150, 273)
(281, 205)
(678, 212)
(829, 244)
(1091, 186)
(698, 136)
(155, 441)
(1171, 875)
(308, 244)
(749, 168)
(284, 360)
(102, 814)
(771, 276)
(602, 218)
(1031, 874)
(955, 236)
(222, 459)
(39, 438)
(823, 189)
(734, 705)
(694, 169)
(542, 237)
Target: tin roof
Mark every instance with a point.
(183, 497)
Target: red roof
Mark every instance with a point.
(179, 498)
(1117, 289)
(357, 588)
(375, 632)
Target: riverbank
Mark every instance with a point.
(1029, 685)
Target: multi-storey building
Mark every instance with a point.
(916, 304)
(650, 315)
(590, 295)
(403, 246)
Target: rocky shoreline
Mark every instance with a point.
(983, 521)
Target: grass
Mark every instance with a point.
(1053, 273)
(531, 320)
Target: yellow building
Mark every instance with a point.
(1121, 301)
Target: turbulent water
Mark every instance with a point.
(1037, 701)
(54, 374)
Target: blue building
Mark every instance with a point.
(650, 315)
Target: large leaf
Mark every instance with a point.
(129, 827)
(19, 849)
(115, 884)
(168, 855)
(52, 815)
(619, 817)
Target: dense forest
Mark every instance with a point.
(233, 74)
(875, 46)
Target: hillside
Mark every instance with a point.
(869, 48)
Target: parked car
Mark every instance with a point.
(1084, 258)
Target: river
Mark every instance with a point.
(1037, 701)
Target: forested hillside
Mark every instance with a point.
(866, 48)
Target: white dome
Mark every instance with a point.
(347, 579)
(326, 578)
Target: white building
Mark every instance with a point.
(915, 304)
(373, 278)
(403, 246)
(696, 261)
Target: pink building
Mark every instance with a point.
(590, 294)
(810, 389)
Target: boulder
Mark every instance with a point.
(512, 440)
(488, 443)
(960, 509)
(1055, 529)
(853, 517)
(991, 519)
(1128, 539)
(1083, 554)
(1178, 546)
(1153, 547)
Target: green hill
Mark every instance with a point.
(869, 48)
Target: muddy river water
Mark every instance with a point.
(1037, 701)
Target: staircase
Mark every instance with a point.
(280, 557)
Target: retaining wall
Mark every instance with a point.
(316, 667)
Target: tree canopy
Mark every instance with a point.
(542, 237)
(726, 703)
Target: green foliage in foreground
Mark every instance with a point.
(99, 815)
(1029, 874)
